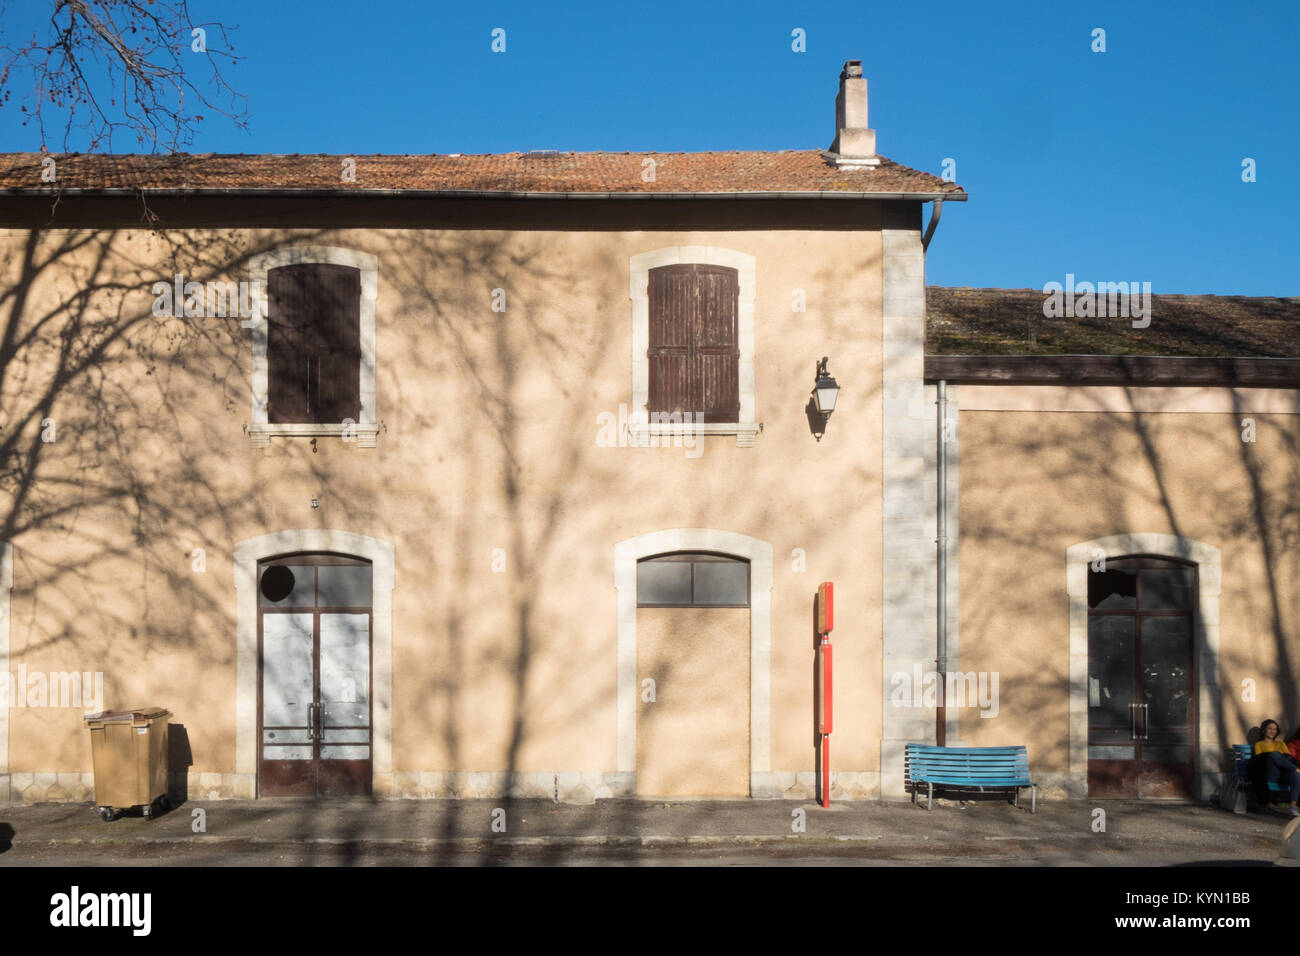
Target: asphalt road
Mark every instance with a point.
(639, 833)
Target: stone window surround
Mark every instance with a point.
(383, 561)
(1205, 635)
(260, 430)
(640, 430)
(759, 555)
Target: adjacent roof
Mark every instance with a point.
(964, 321)
(734, 173)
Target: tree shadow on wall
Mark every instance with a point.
(1118, 464)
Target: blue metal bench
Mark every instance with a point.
(1241, 754)
(969, 768)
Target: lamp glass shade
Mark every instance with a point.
(826, 392)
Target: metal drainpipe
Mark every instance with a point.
(941, 661)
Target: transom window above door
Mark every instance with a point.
(314, 580)
(1141, 584)
(692, 580)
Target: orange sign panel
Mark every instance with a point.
(825, 607)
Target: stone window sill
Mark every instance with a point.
(646, 435)
(365, 434)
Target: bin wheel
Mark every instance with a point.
(107, 814)
(164, 802)
(148, 811)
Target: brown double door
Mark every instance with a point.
(315, 720)
(1141, 679)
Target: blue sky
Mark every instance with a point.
(1122, 165)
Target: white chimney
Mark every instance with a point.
(855, 144)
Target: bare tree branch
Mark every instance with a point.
(112, 67)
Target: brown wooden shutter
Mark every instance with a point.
(289, 361)
(717, 346)
(672, 294)
(694, 343)
(314, 344)
(339, 344)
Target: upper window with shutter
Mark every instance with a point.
(314, 344)
(694, 347)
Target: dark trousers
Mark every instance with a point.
(1273, 767)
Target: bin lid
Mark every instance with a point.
(132, 714)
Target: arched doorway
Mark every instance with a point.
(315, 728)
(758, 554)
(692, 732)
(1080, 559)
(250, 556)
(1142, 720)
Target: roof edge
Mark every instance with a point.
(1135, 370)
(31, 191)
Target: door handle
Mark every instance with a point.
(1146, 720)
(1133, 721)
(311, 721)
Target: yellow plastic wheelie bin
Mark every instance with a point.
(129, 748)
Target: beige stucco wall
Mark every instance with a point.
(1034, 483)
(698, 661)
(488, 441)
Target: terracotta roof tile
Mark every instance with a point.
(681, 173)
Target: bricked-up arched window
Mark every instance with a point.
(314, 343)
(694, 347)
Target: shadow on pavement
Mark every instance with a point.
(1233, 863)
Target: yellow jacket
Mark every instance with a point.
(1276, 744)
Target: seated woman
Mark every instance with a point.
(1273, 763)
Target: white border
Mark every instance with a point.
(382, 556)
(759, 555)
(1205, 623)
(639, 266)
(259, 429)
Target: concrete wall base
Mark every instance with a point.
(24, 789)
(213, 786)
(580, 787)
(1060, 785)
(576, 787)
(802, 785)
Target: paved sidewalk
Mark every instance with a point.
(358, 831)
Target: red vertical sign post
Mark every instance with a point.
(825, 694)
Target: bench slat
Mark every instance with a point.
(969, 760)
(967, 782)
(969, 768)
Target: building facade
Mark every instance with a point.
(501, 475)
